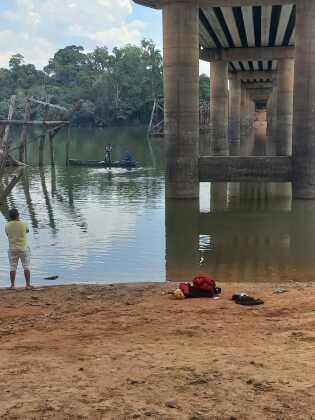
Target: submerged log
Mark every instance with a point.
(4, 147)
(52, 149)
(68, 148)
(5, 137)
(23, 138)
(11, 162)
(10, 186)
(41, 149)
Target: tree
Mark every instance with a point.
(117, 87)
(99, 60)
(16, 61)
(66, 64)
(154, 67)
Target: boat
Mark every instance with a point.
(103, 164)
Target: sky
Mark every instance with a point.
(38, 28)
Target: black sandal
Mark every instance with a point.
(246, 300)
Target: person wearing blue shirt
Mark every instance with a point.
(128, 157)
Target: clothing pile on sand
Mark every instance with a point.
(203, 286)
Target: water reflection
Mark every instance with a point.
(251, 232)
(90, 225)
(96, 225)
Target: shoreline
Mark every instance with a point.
(132, 351)
(242, 284)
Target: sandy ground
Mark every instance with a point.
(128, 352)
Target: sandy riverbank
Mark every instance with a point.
(125, 352)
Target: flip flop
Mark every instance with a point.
(247, 300)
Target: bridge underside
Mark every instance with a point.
(248, 27)
(261, 57)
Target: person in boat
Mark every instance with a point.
(128, 157)
(108, 153)
(16, 232)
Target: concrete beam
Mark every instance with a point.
(260, 94)
(158, 4)
(259, 91)
(258, 85)
(238, 169)
(257, 76)
(247, 54)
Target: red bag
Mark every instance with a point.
(184, 287)
(205, 283)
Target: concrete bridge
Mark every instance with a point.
(270, 43)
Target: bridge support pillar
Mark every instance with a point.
(285, 107)
(269, 147)
(304, 102)
(249, 111)
(272, 133)
(235, 116)
(219, 108)
(243, 111)
(246, 123)
(181, 96)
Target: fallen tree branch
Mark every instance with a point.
(10, 186)
(32, 122)
(59, 107)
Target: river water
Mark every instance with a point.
(104, 226)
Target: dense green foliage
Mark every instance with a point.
(116, 87)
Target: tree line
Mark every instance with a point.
(116, 87)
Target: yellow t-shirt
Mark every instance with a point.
(16, 232)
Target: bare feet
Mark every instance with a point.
(11, 288)
(29, 287)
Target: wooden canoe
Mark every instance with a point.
(102, 163)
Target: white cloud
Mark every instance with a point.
(24, 12)
(35, 50)
(56, 23)
(124, 34)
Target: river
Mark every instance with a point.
(105, 226)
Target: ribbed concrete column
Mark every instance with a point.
(285, 107)
(249, 111)
(243, 110)
(270, 149)
(269, 111)
(273, 119)
(181, 96)
(252, 113)
(219, 108)
(235, 116)
(247, 122)
(304, 102)
(244, 139)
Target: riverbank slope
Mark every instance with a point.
(124, 352)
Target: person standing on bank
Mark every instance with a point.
(16, 232)
(108, 153)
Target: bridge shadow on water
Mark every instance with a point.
(245, 232)
(251, 232)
